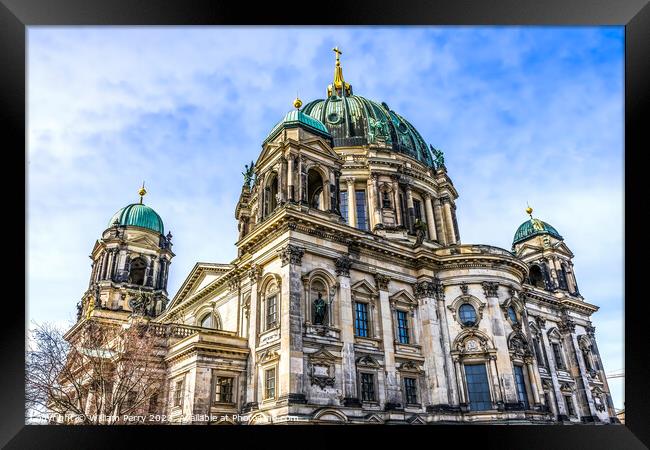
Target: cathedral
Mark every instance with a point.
(352, 299)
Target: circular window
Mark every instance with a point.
(467, 314)
(401, 127)
(333, 118)
(512, 314)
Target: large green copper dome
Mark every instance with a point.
(354, 120)
(138, 215)
(533, 227)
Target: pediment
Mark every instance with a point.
(144, 241)
(322, 355)
(563, 249)
(319, 146)
(364, 287)
(403, 296)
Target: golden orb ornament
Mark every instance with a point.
(142, 192)
(529, 210)
(297, 103)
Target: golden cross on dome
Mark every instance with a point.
(338, 54)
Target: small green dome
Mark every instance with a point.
(533, 227)
(138, 215)
(298, 118)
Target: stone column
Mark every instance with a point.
(533, 380)
(104, 266)
(352, 202)
(494, 372)
(449, 221)
(567, 327)
(459, 381)
(446, 341)
(282, 181)
(432, 344)
(428, 209)
(251, 375)
(290, 174)
(290, 376)
(350, 394)
(440, 222)
(552, 369)
(394, 394)
(398, 206)
(411, 208)
(302, 191)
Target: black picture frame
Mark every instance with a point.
(16, 15)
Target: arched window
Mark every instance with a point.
(137, 270)
(207, 321)
(562, 278)
(512, 314)
(271, 195)
(467, 314)
(537, 277)
(270, 311)
(315, 195)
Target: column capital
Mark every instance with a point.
(490, 288)
(350, 180)
(382, 281)
(342, 265)
(429, 289)
(445, 199)
(254, 273)
(426, 195)
(291, 254)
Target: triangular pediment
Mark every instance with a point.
(322, 354)
(563, 249)
(319, 146)
(403, 296)
(364, 287)
(144, 241)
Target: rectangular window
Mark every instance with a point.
(367, 387)
(410, 390)
(362, 216)
(361, 319)
(402, 327)
(538, 353)
(478, 387)
(521, 386)
(569, 405)
(417, 209)
(404, 209)
(223, 389)
(557, 355)
(269, 383)
(343, 205)
(271, 311)
(178, 393)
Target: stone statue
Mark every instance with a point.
(420, 232)
(249, 174)
(439, 158)
(320, 308)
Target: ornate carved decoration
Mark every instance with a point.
(367, 361)
(291, 254)
(490, 288)
(382, 281)
(254, 273)
(343, 265)
(322, 367)
(518, 345)
(464, 288)
(541, 322)
(471, 342)
(430, 289)
(410, 366)
(233, 284)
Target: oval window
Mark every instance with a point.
(512, 314)
(467, 314)
(402, 128)
(333, 118)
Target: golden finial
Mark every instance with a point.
(297, 103)
(142, 192)
(529, 211)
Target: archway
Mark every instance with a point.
(315, 192)
(137, 270)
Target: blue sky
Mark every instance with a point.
(523, 114)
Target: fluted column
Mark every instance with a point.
(459, 381)
(251, 375)
(350, 395)
(449, 221)
(494, 372)
(411, 208)
(446, 342)
(428, 209)
(398, 206)
(352, 202)
(440, 222)
(533, 380)
(386, 319)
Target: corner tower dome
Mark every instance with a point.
(534, 227)
(353, 120)
(138, 215)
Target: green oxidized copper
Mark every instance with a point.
(249, 174)
(137, 215)
(534, 227)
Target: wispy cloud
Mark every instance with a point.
(523, 114)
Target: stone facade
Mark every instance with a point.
(338, 308)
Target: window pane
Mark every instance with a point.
(223, 390)
(467, 314)
(410, 390)
(557, 354)
(569, 405)
(367, 387)
(362, 219)
(271, 311)
(538, 353)
(361, 319)
(270, 383)
(478, 387)
(521, 386)
(402, 327)
(512, 314)
(417, 209)
(343, 204)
